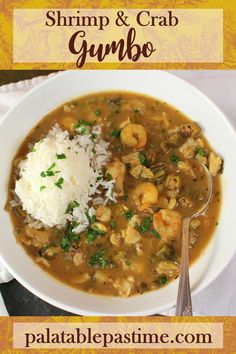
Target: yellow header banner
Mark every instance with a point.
(124, 35)
(161, 34)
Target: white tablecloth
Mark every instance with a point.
(220, 86)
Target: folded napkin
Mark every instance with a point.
(213, 83)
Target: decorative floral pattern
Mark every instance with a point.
(6, 32)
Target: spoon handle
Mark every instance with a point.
(184, 302)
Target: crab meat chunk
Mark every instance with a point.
(215, 164)
(131, 235)
(132, 159)
(186, 168)
(189, 147)
(141, 171)
(124, 286)
(162, 120)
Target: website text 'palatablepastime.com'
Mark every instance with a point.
(118, 335)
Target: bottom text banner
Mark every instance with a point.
(118, 335)
(75, 334)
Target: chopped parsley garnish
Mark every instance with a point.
(70, 238)
(125, 197)
(166, 252)
(52, 166)
(201, 152)
(162, 280)
(71, 206)
(129, 214)
(42, 188)
(115, 133)
(113, 224)
(144, 160)
(92, 233)
(98, 260)
(59, 182)
(83, 130)
(65, 244)
(61, 156)
(155, 233)
(91, 219)
(108, 176)
(48, 172)
(145, 226)
(33, 149)
(137, 110)
(175, 159)
(83, 126)
(97, 112)
(93, 137)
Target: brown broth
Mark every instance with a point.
(110, 109)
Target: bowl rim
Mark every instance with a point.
(66, 307)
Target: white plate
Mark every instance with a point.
(161, 85)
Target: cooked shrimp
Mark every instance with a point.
(116, 170)
(167, 223)
(134, 135)
(144, 195)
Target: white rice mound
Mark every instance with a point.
(80, 171)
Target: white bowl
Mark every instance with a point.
(162, 85)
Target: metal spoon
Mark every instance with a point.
(184, 302)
